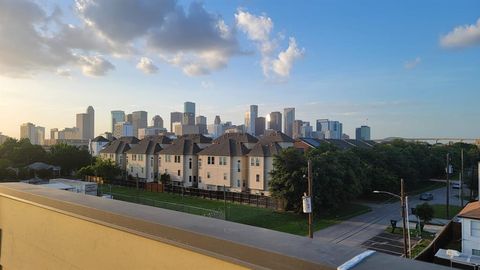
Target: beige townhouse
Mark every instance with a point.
(142, 159)
(180, 159)
(116, 151)
(224, 163)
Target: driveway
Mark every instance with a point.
(357, 230)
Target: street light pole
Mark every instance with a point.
(461, 182)
(404, 219)
(310, 215)
(448, 185)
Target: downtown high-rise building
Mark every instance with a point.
(329, 129)
(288, 119)
(117, 117)
(201, 123)
(123, 129)
(188, 113)
(175, 117)
(259, 126)
(250, 117)
(362, 133)
(157, 121)
(139, 120)
(297, 129)
(275, 121)
(35, 134)
(306, 130)
(217, 120)
(86, 124)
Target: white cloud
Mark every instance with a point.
(284, 63)
(258, 29)
(64, 72)
(95, 65)
(462, 36)
(411, 64)
(147, 66)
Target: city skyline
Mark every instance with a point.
(402, 77)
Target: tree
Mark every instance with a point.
(69, 158)
(104, 168)
(425, 213)
(289, 180)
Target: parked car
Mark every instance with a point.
(426, 196)
(455, 185)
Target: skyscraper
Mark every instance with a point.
(129, 118)
(306, 131)
(188, 113)
(362, 133)
(117, 117)
(139, 120)
(122, 129)
(91, 123)
(250, 117)
(288, 118)
(217, 120)
(259, 126)
(157, 121)
(297, 129)
(275, 121)
(36, 135)
(330, 129)
(175, 117)
(201, 123)
(83, 125)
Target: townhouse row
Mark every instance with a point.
(236, 162)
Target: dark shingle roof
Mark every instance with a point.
(181, 146)
(197, 138)
(145, 146)
(239, 137)
(265, 150)
(161, 139)
(129, 139)
(116, 147)
(275, 137)
(226, 147)
(100, 139)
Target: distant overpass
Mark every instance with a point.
(434, 139)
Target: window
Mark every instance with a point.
(238, 165)
(159, 161)
(208, 174)
(168, 158)
(209, 160)
(224, 176)
(200, 163)
(177, 159)
(140, 157)
(190, 163)
(213, 160)
(190, 178)
(257, 177)
(178, 172)
(151, 161)
(199, 179)
(252, 161)
(238, 183)
(257, 161)
(476, 252)
(475, 228)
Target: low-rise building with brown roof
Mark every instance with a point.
(116, 151)
(142, 159)
(470, 219)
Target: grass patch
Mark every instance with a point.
(260, 217)
(439, 210)
(420, 246)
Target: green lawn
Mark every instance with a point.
(439, 210)
(260, 217)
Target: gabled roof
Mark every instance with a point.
(145, 147)
(197, 138)
(129, 139)
(161, 139)
(471, 210)
(275, 137)
(100, 139)
(116, 147)
(226, 147)
(265, 150)
(239, 137)
(181, 146)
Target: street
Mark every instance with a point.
(357, 230)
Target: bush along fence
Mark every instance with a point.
(234, 197)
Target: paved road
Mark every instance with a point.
(359, 229)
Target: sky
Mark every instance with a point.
(404, 68)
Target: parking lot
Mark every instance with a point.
(388, 243)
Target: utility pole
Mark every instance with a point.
(310, 215)
(448, 185)
(461, 182)
(404, 218)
